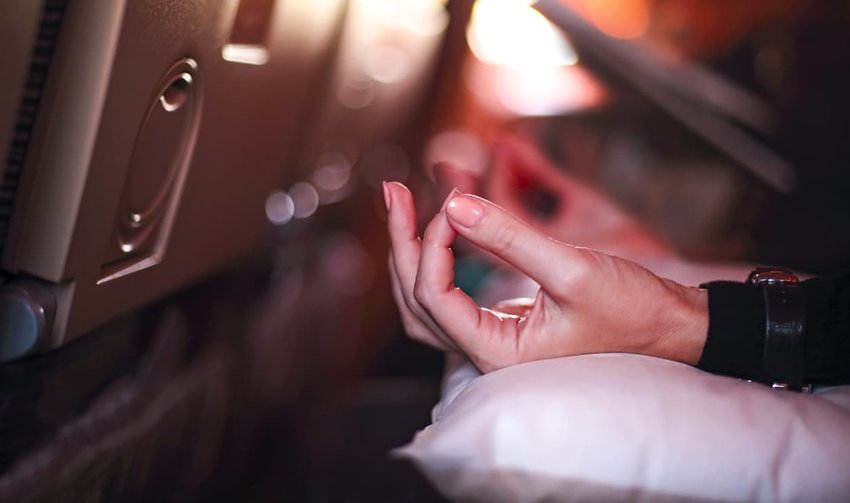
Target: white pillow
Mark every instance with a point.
(625, 427)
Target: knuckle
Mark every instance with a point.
(414, 307)
(503, 238)
(575, 275)
(410, 301)
(421, 293)
(587, 263)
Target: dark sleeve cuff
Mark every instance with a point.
(828, 329)
(735, 338)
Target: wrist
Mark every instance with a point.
(784, 344)
(686, 325)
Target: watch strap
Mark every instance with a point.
(783, 355)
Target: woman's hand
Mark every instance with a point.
(589, 302)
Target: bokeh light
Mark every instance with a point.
(511, 33)
(279, 207)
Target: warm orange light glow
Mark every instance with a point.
(511, 33)
(624, 19)
(537, 91)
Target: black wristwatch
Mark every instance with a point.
(785, 320)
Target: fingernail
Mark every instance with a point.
(388, 200)
(465, 211)
(453, 193)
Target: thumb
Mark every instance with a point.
(491, 228)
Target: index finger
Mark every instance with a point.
(550, 263)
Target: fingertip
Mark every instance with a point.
(398, 185)
(398, 191)
(400, 197)
(439, 231)
(388, 200)
(452, 194)
(464, 210)
(401, 219)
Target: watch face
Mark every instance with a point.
(772, 276)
